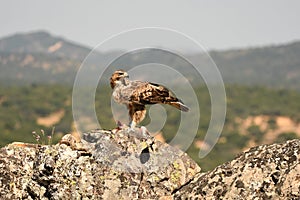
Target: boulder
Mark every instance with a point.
(263, 172)
(130, 164)
(117, 164)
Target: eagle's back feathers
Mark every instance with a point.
(152, 93)
(136, 94)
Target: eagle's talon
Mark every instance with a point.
(144, 130)
(120, 125)
(132, 125)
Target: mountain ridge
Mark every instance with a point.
(42, 42)
(35, 34)
(272, 66)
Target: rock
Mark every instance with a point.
(118, 164)
(264, 172)
(127, 164)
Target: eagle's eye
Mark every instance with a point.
(120, 73)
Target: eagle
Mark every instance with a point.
(136, 94)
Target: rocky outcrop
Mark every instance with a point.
(264, 172)
(118, 164)
(127, 164)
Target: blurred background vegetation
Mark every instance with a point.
(262, 88)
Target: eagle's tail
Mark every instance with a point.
(179, 105)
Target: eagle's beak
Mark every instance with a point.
(126, 75)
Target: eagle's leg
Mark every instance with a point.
(132, 124)
(137, 113)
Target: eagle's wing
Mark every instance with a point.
(151, 93)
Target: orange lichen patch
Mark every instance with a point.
(51, 119)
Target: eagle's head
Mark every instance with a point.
(118, 77)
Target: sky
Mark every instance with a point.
(215, 24)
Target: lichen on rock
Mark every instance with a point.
(130, 164)
(118, 164)
(264, 172)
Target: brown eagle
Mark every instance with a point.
(136, 94)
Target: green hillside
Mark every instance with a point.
(23, 109)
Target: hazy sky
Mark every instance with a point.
(216, 24)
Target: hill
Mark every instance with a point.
(39, 57)
(255, 116)
(41, 42)
(42, 58)
(272, 66)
